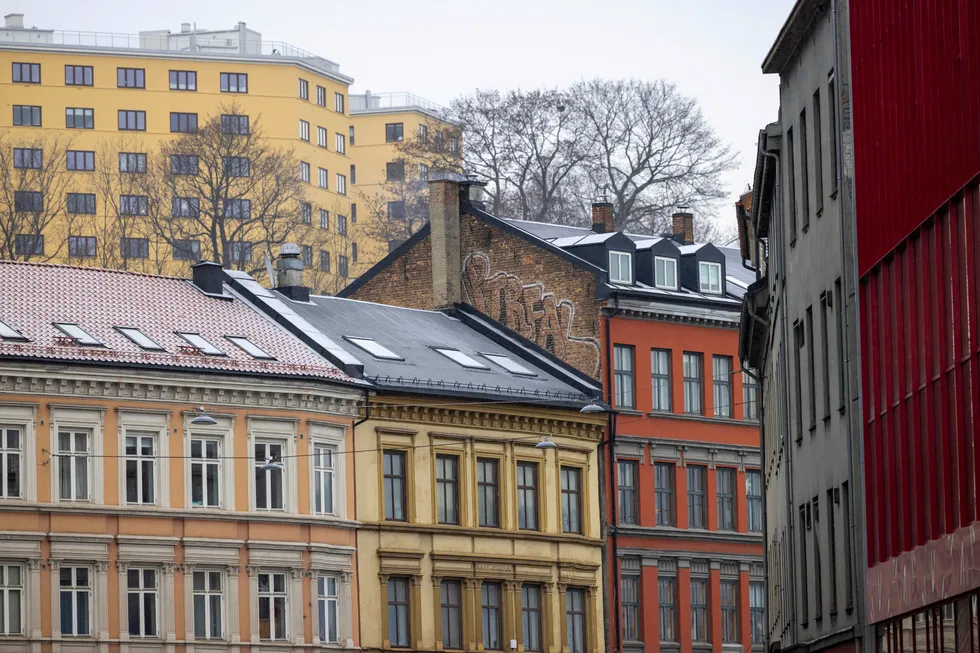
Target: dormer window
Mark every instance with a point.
(620, 267)
(710, 278)
(665, 272)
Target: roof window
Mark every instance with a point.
(462, 359)
(509, 364)
(7, 332)
(710, 277)
(144, 341)
(665, 272)
(250, 347)
(78, 334)
(620, 267)
(201, 344)
(373, 347)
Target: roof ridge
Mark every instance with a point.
(89, 268)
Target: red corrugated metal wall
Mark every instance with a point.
(916, 121)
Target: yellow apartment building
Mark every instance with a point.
(99, 96)
(399, 137)
(158, 496)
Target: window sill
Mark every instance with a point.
(629, 411)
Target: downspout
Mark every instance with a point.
(614, 498)
(367, 416)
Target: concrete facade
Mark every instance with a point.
(801, 207)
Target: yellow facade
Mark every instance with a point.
(272, 98)
(437, 551)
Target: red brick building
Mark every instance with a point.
(656, 320)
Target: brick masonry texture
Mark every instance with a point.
(536, 293)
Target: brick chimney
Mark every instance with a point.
(603, 221)
(444, 200)
(683, 226)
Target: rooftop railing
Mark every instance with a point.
(380, 101)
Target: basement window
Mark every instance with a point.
(374, 348)
(7, 332)
(249, 347)
(509, 364)
(461, 359)
(201, 344)
(140, 338)
(78, 334)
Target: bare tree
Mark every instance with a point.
(330, 244)
(652, 150)
(398, 208)
(227, 189)
(33, 185)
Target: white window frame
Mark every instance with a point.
(223, 431)
(329, 435)
(205, 462)
(620, 256)
(137, 423)
(6, 453)
(92, 580)
(271, 594)
(5, 591)
(704, 280)
(667, 260)
(340, 143)
(70, 458)
(322, 178)
(207, 593)
(304, 130)
(323, 606)
(304, 171)
(324, 477)
(276, 432)
(24, 418)
(140, 459)
(341, 184)
(338, 102)
(268, 499)
(321, 136)
(142, 592)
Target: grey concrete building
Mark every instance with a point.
(798, 331)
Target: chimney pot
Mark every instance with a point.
(14, 21)
(603, 220)
(683, 223)
(208, 276)
(289, 273)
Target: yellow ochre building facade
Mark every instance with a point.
(103, 92)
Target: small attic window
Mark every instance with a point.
(665, 272)
(373, 347)
(250, 347)
(78, 334)
(509, 364)
(620, 267)
(461, 359)
(201, 344)
(144, 341)
(710, 278)
(7, 332)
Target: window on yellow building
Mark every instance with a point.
(234, 124)
(205, 473)
(575, 619)
(351, 134)
(183, 80)
(395, 171)
(26, 73)
(488, 492)
(447, 489)
(571, 500)
(394, 132)
(491, 612)
(396, 503)
(136, 121)
(132, 162)
(182, 123)
(131, 77)
(74, 465)
(527, 496)
(304, 89)
(399, 630)
(321, 136)
(304, 171)
(338, 102)
(343, 267)
(11, 455)
(341, 144)
(321, 96)
(341, 184)
(531, 616)
(269, 477)
(304, 131)
(27, 116)
(234, 83)
(451, 604)
(78, 76)
(141, 469)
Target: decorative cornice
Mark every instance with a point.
(497, 533)
(533, 424)
(668, 532)
(211, 392)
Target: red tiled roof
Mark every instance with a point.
(34, 296)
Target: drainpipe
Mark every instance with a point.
(611, 457)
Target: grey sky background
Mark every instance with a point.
(712, 49)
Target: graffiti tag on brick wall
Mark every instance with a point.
(530, 310)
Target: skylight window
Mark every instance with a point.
(7, 332)
(374, 348)
(203, 345)
(620, 267)
(79, 334)
(140, 338)
(509, 364)
(461, 359)
(250, 347)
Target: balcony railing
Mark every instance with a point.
(225, 43)
(387, 101)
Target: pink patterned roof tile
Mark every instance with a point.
(34, 296)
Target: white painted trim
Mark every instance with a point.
(672, 261)
(276, 431)
(86, 419)
(224, 432)
(24, 416)
(146, 423)
(333, 436)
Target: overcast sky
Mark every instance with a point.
(712, 49)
